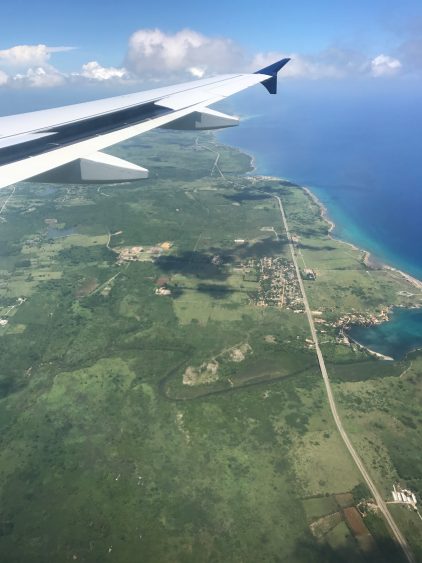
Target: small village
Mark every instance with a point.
(362, 319)
(278, 285)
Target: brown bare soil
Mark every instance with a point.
(354, 521)
(163, 280)
(356, 524)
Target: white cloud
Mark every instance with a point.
(152, 53)
(196, 71)
(28, 66)
(40, 77)
(383, 65)
(331, 63)
(47, 76)
(29, 55)
(94, 71)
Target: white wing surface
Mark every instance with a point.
(62, 144)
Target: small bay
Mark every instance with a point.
(396, 337)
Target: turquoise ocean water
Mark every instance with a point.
(401, 334)
(360, 151)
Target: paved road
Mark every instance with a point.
(398, 536)
(3, 207)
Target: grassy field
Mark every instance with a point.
(383, 416)
(106, 452)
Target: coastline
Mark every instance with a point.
(254, 166)
(370, 263)
(368, 259)
(377, 355)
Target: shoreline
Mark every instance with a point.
(377, 355)
(367, 256)
(369, 259)
(370, 263)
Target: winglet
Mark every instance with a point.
(272, 70)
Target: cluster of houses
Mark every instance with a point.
(278, 285)
(362, 319)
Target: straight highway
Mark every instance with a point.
(398, 536)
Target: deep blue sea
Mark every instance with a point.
(359, 148)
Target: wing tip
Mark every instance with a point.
(272, 70)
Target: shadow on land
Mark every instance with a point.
(213, 290)
(310, 247)
(193, 263)
(264, 247)
(246, 195)
(385, 551)
(213, 264)
(259, 192)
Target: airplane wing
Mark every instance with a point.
(64, 144)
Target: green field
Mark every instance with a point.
(194, 426)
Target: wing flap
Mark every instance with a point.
(98, 168)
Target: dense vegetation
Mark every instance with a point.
(106, 453)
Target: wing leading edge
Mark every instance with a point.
(63, 144)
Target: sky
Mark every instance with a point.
(71, 50)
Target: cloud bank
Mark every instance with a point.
(29, 55)
(153, 55)
(94, 71)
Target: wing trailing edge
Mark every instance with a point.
(98, 168)
(206, 119)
